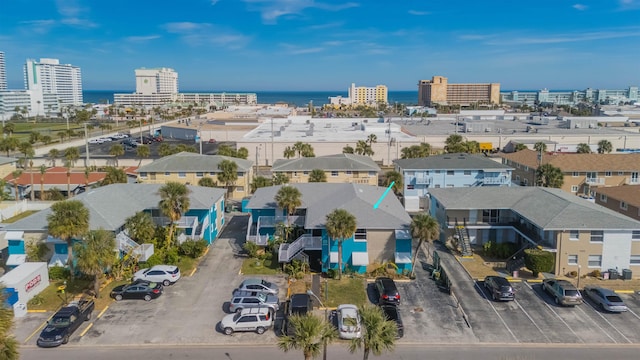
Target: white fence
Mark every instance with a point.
(16, 208)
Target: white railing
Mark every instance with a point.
(205, 224)
(125, 243)
(272, 221)
(261, 240)
(493, 180)
(597, 181)
(423, 180)
(304, 242)
(183, 222)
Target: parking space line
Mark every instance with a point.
(496, 311)
(607, 321)
(633, 313)
(555, 313)
(85, 330)
(102, 312)
(38, 329)
(531, 319)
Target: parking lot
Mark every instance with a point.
(130, 152)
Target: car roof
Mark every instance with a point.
(564, 283)
(255, 310)
(253, 281)
(602, 290)
(500, 280)
(164, 267)
(348, 309)
(299, 300)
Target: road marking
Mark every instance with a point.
(531, 319)
(102, 312)
(38, 329)
(634, 314)
(607, 321)
(85, 330)
(497, 313)
(193, 271)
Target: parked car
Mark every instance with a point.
(393, 314)
(106, 139)
(562, 291)
(499, 288)
(165, 274)
(259, 285)
(298, 304)
(606, 299)
(254, 319)
(387, 291)
(67, 320)
(251, 299)
(212, 141)
(349, 325)
(140, 289)
(96, 141)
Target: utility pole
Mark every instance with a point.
(86, 144)
(389, 144)
(256, 173)
(272, 155)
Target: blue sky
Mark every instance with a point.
(258, 45)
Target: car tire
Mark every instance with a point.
(602, 307)
(147, 298)
(228, 331)
(260, 330)
(166, 283)
(238, 310)
(88, 317)
(65, 339)
(118, 297)
(493, 296)
(556, 300)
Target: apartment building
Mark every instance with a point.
(571, 97)
(582, 172)
(48, 76)
(3, 72)
(156, 81)
(439, 91)
(362, 95)
(340, 168)
(624, 199)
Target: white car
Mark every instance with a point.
(165, 274)
(106, 139)
(96, 141)
(255, 319)
(349, 325)
(259, 285)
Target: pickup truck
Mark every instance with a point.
(67, 320)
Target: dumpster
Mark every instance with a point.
(613, 274)
(626, 274)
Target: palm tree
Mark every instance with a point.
(311, 335)
(27, 151)
(604, 146)
(280, 179)
(289, 152)
(540, 147)
(317, 175)
(348, 150)
(259, 182)
(424, 228)
(583, 148)
(288, 198)
(174, 201)
(142, 152)
(95, 255)
(520, 147)
(548, 175)
(454, 144)
(8, 342)
(164, 149)
(207, 182)
(378, 335)
(372, 139)
(116, 150)
(395, 177)
(298, 147)
(71, 155)
(228, 175)
(361, 147)
(33, 193)
(68, 220)
(16, 175)
(340, 225)
(140, 227)
(53, 155)
(114, 176)
(43, 170)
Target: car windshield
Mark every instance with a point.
(505, 288)
(266, 283)
(571, 293)
(175, 271)
(262, 297)
(236, 316)
(614, 299)
(60, 321)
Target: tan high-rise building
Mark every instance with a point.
(439, 91)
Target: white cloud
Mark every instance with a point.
(567, 38)
(77, 22)
(271, 10)
(629, 4)
(197, 34)
(418, 13)
(73, 14)
(39, 26)
(214, 2)
(142, 38)
(580, 7)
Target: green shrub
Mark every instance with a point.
(251, 248)
(36, 251)
(58, 273)
(37, 300)
(538, 261)
(171, 256)
(499, 251)
(596, 273)
(192, 249)
(332, 273)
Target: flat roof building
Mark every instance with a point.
(439, 91)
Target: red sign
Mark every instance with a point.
(33, 283)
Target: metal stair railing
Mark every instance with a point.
(286, 252)
(463, 235)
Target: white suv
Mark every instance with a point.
(253, 319)
(165, 274)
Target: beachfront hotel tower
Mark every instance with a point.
(156, 81)
(3, 73)
(49, 77)
(439, 91)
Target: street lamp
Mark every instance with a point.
(326, 318)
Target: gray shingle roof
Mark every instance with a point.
(322, 198)
(110, 205)
(451, 162)
(330, 162)
(7, 160)
(190, 162)
(550, 209)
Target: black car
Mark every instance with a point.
(387, 291)
(140, 289)
(499, 287)
(393, 314)
(299, 304)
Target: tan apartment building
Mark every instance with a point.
(583, 235)
(189, 168)
(7, 166)
(624, 199)
(439, 91)
(582, 172)
(339, 168)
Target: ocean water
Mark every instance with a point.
(298, 98)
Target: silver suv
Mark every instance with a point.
(254, 319)
(562, 291)
(251, 299)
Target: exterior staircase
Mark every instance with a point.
(287, 252)
(127, 245)
(463, 238)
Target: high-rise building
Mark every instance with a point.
(156, 81)
(439, 91)
(48, 76)
(361, 95)
(3, 73)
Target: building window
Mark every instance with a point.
(450, 185)
(597, 236)
(635, 235)
(182, 174)
(603, 198)
(360, 235)
(199, 174)
(240, 188)
(450, 172)
(574, 188)
(574, 235)
(437, 171)
(437, 186)
(525, 182)
(575, 174)
(410, 173)
(634, 260)
(572, 259)
(595, 260)
(166, 173)
(349, 172)
(607, 173)
(143, 174)
(467, 172)
(212, 173)
(620, 173)
(305, 173)
(240, 174)
(517, 178)
(526, 168)
(410, 187)
(372, 173)
(334, 173)
(623, 205)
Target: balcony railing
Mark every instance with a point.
(595, 181)
(423, 180)
(272, 221)
(304, 242)
(495, 180)
(183, 222)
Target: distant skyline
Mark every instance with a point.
(316, 45)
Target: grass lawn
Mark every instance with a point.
(22, 215)
(51, 299)
(269, 266)
(345, 291)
